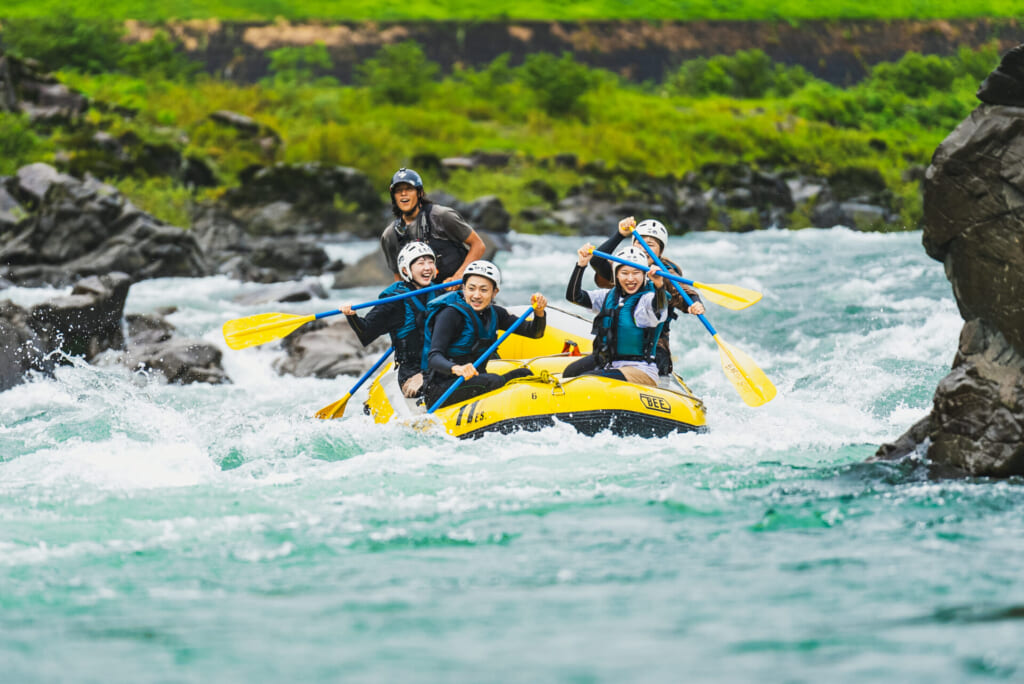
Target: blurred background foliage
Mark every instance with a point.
(742, 107)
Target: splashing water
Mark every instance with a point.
(154, 533)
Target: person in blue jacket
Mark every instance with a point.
(629, 321)
(461, 325)
(402, 320)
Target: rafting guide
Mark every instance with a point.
(454, 242)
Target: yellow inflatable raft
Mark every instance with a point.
(588, 403)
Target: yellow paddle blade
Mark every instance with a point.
(730, 296)
(335, 410)
(753, 385)
(241, 333)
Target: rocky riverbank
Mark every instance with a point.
(974, 225)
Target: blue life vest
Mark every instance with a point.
(408, 339)
(617, 337)
(477, 334)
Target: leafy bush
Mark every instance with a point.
(157, 58)
(558, 83)
(915, 75)
(292, 65)
(399, 74)
(747, 74)
(19, 145)
(66, 41)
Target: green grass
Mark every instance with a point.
(623, 127)
(476, 10)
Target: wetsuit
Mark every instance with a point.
(457, 335)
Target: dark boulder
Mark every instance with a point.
(26, 88)
(974, 225)
(328, 350)
(153, 347)
(78, 228)
(1005, 85)
(86, 322)
(21, 349)
(180, 361)
(303, 291)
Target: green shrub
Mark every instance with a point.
(747, 74)
(915, 75)
(558, 83)
(19, 145)
(399, 74)
(159, 57)
(65, 41)
(294, 65)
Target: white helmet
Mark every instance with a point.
(485, 269)
(634, 254)
(654, 229)
(410, 253)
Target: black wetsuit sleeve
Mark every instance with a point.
(601, 266)
(574, 291)
(382, 319)
(531, 327)
(447, 326)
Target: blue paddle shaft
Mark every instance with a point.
(367, 374)
(627, 262)
(483, 357)
(686, 297)
(393, 298)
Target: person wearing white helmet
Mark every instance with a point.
(630, 317)
(654, 233)
(461, 325)
(455, 243)
(402, 320)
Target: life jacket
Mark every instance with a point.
(408, 339)
(448, 255)
(477, 333)
(617, 337)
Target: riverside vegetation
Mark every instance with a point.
(724, 110)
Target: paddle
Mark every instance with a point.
(750, 382)
(242, 333)
(336, 409)
(730, 296)
(483, 358)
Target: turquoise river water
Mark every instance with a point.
(155, 533)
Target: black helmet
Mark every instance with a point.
(404, 175)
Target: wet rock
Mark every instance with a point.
(79, 228)
(974, 225)
(284, 292)
(26, 88)
(485, 213)
(12, 214)
(328, 350)
(21, 349)
(370, 269)
(148, 328)
(1005, 85)
(86, 322)
(232, 251)
(181, 361)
